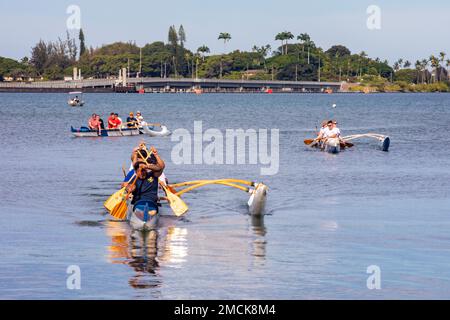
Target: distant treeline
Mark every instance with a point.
(300, 60)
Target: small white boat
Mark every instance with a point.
(74, 100)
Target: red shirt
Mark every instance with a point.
(113, 123)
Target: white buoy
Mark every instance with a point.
(334, 105)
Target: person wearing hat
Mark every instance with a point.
(139, 117)
(132, 122)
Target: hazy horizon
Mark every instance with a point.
(409, 31)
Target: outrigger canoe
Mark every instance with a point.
(86, 132)
(143, 217)
(334, 146)
(330, 146)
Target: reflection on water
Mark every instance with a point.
(144, 251)
(258, 245)
(175, 247)
(136, 249)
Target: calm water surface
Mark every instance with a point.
(329, 217)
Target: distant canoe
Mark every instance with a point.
(86, 132)
(332, 145)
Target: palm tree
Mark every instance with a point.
(203, 50)
(288, 36)
(225, 36)
(418, 66)
(263, 51)
(407, 64)
(424, 69)
(281, 37)
(441, 67)
(447, 64)
(435, 64)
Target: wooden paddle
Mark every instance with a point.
(309, 141)
(117, 203)
(120, 210)
(177, 205)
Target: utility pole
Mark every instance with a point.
(319, 67)
(140, 62)
(196, 69)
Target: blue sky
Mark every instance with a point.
(408, 30)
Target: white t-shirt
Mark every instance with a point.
(328, 133)
(322, 131)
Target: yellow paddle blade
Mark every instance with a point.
(176, 204)
(115, 199)
(120, 210)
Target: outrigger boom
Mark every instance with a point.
(385, 141)
(256, 203)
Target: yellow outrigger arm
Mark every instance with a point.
(189, 183)
(258, 194)
(202, 183)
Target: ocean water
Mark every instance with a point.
(328, 217)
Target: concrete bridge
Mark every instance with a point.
(170, 85)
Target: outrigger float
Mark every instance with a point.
(143, 218)
(122, 132)
(334, 145)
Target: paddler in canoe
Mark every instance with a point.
(145, 182)
(329, 136)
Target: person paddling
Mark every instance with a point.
(94, 123)
(139, 117)
(144, 186)
(132, 122)
(113, 122)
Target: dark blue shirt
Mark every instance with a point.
(146, 189)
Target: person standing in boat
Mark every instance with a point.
(144, 187)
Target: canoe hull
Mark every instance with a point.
(136, 219)
(257, 202)
(332, 146)
(85, 132)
